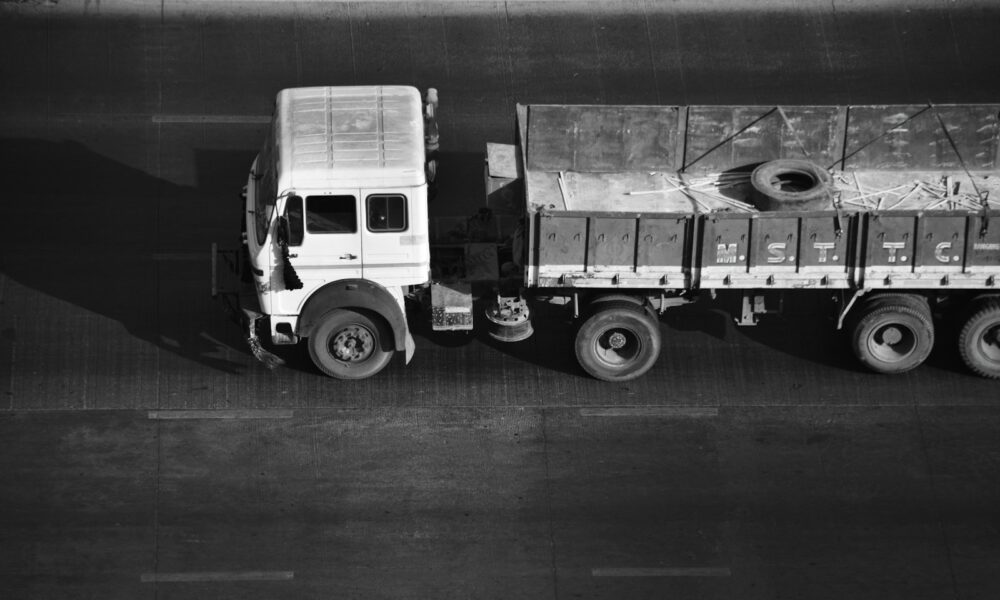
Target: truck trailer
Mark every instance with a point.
(617, 214)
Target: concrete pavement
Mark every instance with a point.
(145, 454)
(497, 503)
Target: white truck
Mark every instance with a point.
(619, 213)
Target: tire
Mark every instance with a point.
(893, 335)
(633, 302)
(790, 184)
(979, 340)
(617, 342)
(347, 344)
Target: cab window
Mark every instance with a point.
(386, 212)
(331, 214)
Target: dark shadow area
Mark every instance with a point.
(89, 231)
(550, 346)
(804, 329)
(945, 355)
(458, 188)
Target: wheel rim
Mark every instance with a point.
(989, 343)
(352, 344)
(617, 347)
(892, 342)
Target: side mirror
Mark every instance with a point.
(292, 223)
(283, 231)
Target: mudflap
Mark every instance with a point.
(409, 346)
(251, 319)
(232, 285)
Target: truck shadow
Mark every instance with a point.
(550, 347)
(799, 331)
(805, 330)
(118, 242)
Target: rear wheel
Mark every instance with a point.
(618, 342)
(979, 340)
(893, 334)
(347, 345)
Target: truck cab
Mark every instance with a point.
(336, 221)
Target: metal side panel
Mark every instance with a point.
(662, 245)
(910, 137)
(940, 243)
(613, 250)
(825, 249)
(613, 139)
(562, 244)
(611, 245)
(774, 244)
(984, 249)
(890, 244)
(776, 250)
(602, 139)
(926, 250)
(722, 137)
(725, 249)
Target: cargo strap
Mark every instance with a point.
(729, 139)
(983, 199)
(843, 160)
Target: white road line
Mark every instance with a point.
(662, 572)
(168, 415)
(651, 411)
(217, 576)
(253, 119)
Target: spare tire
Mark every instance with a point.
(791, 184)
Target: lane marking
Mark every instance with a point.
(217, 576)
(651, 411)
(211, 119)
(267, 413)
(662, 572)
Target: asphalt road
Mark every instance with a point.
(145, 454)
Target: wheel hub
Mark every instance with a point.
(617, 340)
(618, 347)
(352, 344)
(892, 336)
(892, 343)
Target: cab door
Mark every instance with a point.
(324, 244)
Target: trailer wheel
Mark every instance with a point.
(618, 342)
(893, 335)
(347, 345)
(979, 340)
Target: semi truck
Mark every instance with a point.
(887, 215)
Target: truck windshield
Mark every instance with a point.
(266, 188)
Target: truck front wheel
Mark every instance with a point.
(979, 340)
(346, 345)
(618, 342)
(893, 335)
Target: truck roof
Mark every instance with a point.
(348, 136)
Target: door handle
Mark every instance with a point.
(348, 256)
(293, 256)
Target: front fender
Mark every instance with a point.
(360, 294)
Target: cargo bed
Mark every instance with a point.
(661, 197)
